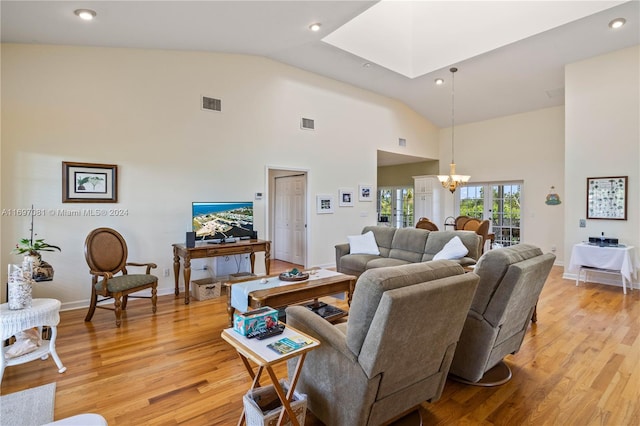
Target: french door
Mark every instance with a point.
(501, 203)
(395, 206)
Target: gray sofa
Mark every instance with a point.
(395, 349)
(400, 246)
(511, 280)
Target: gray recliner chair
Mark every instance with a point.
(511, 280)
(395, 349)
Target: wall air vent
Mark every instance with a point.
(307, 124)
(211, 104)
(402, 142)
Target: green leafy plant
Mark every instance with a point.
(33, 247)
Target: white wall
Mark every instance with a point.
(602, 98)
(139, 109)
(527, 147)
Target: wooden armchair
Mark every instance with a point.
(481, 227)
(106, 253)
(425, 223)
(460, 221)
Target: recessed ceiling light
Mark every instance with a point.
(617, 23)
(439, 81)
(85, 14)
(315, 27)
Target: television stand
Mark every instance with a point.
(201, 251)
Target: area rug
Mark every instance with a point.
(30, 407)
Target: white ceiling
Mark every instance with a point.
(520, 76)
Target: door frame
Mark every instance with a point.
(270, 206)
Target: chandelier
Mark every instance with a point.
(452, 180)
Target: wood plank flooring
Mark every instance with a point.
(579, 365)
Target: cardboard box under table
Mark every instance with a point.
(205, 288)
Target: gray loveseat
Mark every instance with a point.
(400, 246)
(395, 349)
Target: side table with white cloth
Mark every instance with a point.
(620, 260)
(43, 312)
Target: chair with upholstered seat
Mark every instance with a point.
(481, 227)
(460, 221)
(425, 223)
(106, 253)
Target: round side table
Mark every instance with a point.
(43, 312)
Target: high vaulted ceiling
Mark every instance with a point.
(515, 76)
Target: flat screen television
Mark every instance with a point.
(218, 220)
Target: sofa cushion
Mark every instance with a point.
(454, 249)
(384, 237)
(383, 262)
(363, 244)
(357, 262)
(409, 244)
(374, 282)
(438, 239)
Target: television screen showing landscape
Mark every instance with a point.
(214, 220)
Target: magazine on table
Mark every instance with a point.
(289, 344)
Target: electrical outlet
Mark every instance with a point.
(583, 223)
(166, 272)
(553, 249)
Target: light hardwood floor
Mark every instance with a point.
(579, 365)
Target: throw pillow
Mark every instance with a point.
(454, 249)
(363, 244)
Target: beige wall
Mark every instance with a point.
(602, 139)
(402, 175)
(139, 109)
(526, 147)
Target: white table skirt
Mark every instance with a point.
(621, 259)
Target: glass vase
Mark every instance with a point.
(20, 286)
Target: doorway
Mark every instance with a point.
(288, 210)
(395, 206)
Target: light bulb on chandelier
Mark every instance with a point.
(453, 180)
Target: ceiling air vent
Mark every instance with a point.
(211, 104)
(307, 124)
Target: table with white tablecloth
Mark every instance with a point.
(621, 260)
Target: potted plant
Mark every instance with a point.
(31, 248)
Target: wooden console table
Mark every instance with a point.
(205, 250)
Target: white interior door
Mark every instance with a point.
(289, 214)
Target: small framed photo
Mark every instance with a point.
(345, 197)
(89, 183)
(365, 193)
(607, 198)
(324, 204)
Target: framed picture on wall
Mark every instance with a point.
(607, 198)
(324, 204)
(89, 183)
(365, 193)
(345, 197)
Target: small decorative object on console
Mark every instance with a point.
(294, 275)
(260, 319)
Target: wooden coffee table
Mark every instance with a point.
(291, 293)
